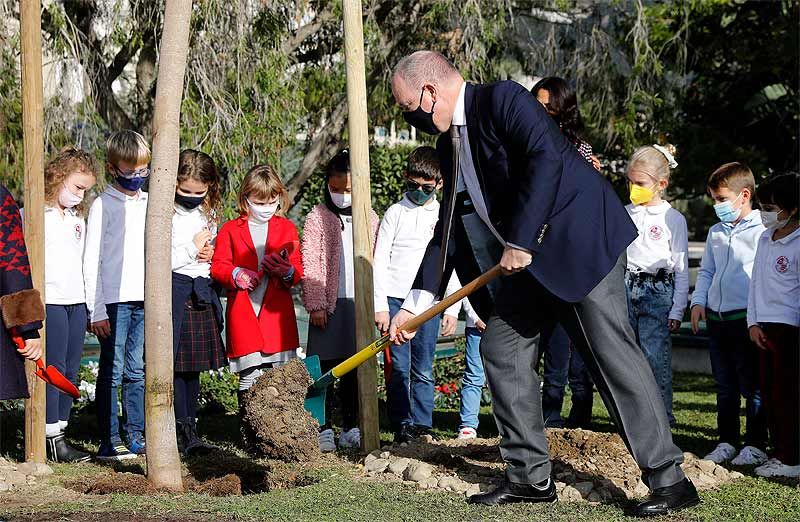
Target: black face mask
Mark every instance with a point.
(420, 119)
(189, 202)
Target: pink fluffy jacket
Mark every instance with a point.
(322, 244)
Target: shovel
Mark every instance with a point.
(50, 374)
(315, 398)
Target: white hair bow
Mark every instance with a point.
(667, 154)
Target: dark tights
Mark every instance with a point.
(187, 391)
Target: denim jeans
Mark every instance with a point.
(66, 326)
(649, 304)
(735, 365)
(472, 383)
(410, 387)
(121, 363)
(562, 364)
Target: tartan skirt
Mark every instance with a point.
(200, 347)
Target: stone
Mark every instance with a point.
(721, 472)
(641, 490)
(706, 465)
(560, 486)
(473, 489)
(427, 438)
(594, 497)
(584, 488)
(376, 465)
(385, 455)
(398, 466)
(4, 487)
(689, 457)
(404, 444)
(571, 494)
(16, 478)
(418, 471)
(369, 458)
(36, 469)
(432, 482)
(733, 475)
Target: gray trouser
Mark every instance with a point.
(599, 328)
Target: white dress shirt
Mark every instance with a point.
(775, 285)
(185, 225)
(64, 239)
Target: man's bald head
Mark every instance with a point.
(427, 72)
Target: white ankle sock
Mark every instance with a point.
(63, 425)
(51, 430)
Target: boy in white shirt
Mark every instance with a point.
(773, 318)
(657, 275)
(113, 269)
(720, 298)
(403, 236)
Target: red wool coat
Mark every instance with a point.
(275, 328)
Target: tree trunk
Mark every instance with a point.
(33, 144)
(163, 464)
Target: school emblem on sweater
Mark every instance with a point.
(782, 264)
(78, 232)
(655, 232)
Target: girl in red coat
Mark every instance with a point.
(257, 261)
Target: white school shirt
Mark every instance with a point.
(403, 236)
(64, 238)
(775, 285)
(471, 315)
(347, 284)
(113, 260)
(662, 243)
(185, 225)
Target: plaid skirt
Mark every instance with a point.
(200, 347)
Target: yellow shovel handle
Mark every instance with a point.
(356, 360)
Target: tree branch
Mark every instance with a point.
(306, 31)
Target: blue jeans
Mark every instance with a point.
(472, 383)
(66, 326)
(735, 365)
(121, 363)
(562, 364)
(649, 304)
(410, 387)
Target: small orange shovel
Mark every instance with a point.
(51, 375)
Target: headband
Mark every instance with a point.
(667, 154)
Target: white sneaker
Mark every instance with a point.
(350, 438)
(326, 442)
(749, 456)
(467, 433)
(723, 452)
(775, 468)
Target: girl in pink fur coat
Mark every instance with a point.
(328, 291)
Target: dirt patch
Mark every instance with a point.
(133, 484)
(275, 424)
(224, 486)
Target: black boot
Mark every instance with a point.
(59, 451)
(193, 444)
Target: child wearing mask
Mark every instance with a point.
(720, 298)
(113, 271)
(254, 259)
(405, 231)
(67, 177)
(657, 275)
(196, 309)
(328, 294)
(773, 318)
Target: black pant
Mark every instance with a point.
(346, 395)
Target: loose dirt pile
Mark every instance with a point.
(587, 466)
(132, 483)
(275, 424)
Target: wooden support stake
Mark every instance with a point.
(362, 226)
(30, 17)
(163, 463)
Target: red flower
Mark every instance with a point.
(445, 389)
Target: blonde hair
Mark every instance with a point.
(263, 182)
(734, 176)
(128, 146)
(655, 161)
(67, 162)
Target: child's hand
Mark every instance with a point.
(449, 324)
(246, 279)
(698, 313)
(32, 350)
(760, 338)
(480, 325)
(382, 322)
(205, 254)
(319, 318)
(276, 265)
(201, 238)
(674, 325)
(595, 162)
(101, 329)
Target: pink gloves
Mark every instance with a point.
(276, 266)
(245, 279)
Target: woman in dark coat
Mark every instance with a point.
(15, 278)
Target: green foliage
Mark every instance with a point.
(218, 391)
(11, 158)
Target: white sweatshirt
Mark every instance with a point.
(471, 316)
(663, 242)
(113, 261)
(185, 225)
(775, 285)
(403, 236)
(64, 238)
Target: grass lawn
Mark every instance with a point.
(341, 494)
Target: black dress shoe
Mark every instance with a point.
(511, 493)
(671, 498)
(58, 450)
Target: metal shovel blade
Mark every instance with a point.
(51, 375)
(315, 398)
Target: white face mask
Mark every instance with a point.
(67, 199)
(341, 200)
(262, 213)
(770, 220)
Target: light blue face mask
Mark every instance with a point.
(725, 211)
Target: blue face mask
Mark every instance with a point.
(132, 184)
(725, 211)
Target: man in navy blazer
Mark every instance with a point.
(516, 191)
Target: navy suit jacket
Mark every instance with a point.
(539, 192)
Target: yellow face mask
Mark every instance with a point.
(640, 195)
